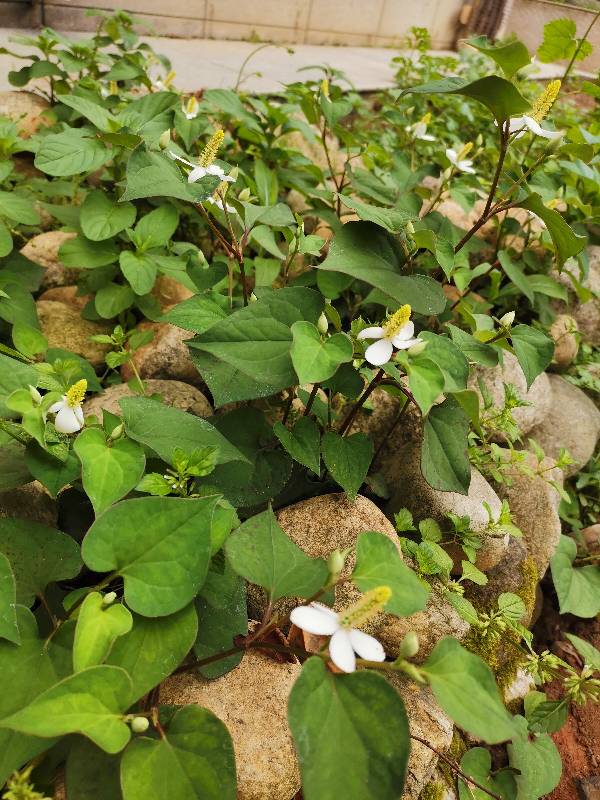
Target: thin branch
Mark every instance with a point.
(360, 402)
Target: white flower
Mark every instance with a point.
(346, 641)
(191, 108)
(518, 124)
(397, 331)
(200, 172)
(419, 129)
(219, 203)
(69, 414)
(458, 160)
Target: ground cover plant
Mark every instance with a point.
(278, 377)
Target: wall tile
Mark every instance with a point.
(359, 17)
(274, 13)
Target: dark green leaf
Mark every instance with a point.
(348, 459)
(302, 442)
(533, 349)
(444, 460)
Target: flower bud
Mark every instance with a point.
(118, 431)
(409, 646)
(244, 195)
(165, 139)
(479, 140)
(416, 349)
(410, 228)
(139, 724)
(109, 598)
(335, 562)
(253, 298)
(507, 320)
(35, 395)
(322, 324)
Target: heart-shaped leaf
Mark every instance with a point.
(102, 217)
(316, 359)
(98, 625)
(348, 459)
(302, 442)
(9, 628)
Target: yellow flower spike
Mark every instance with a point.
(394, 324)
(113, 88)
(169, 79)
(325, 87)
(427, 118)
(545, 101)
(76, 393)
(208, 155)
(464, 151)
(370, 604)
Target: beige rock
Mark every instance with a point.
(538, 395)
(297, 201)
(314, 150)
(43, 249)
(170, 292)
(173, 393)
(519, 687)
(252, 702)
(591, 536)
(26, 109)
(64, 327)
(534, 507)
(566, 344)
(427, 721)
(31, 502)
(573, 423)
(413, 492)
(67, 295)
(166, 356)
(587, 315)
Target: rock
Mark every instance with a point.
(297, 201)
(587, 315)
(572, 423)
(314, 152)
(538, 396)
(166, 356)
(43, 249)
(173, 393)
(31, 502)
(518, 688)
(252, 702)
(591, 537)
(534, 507)
(26, 109)
(64, 327)
(413, 492)
(67, 295)
(427, 721)
(170, 292)
(566, 344)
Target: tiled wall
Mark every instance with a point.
(354, 22)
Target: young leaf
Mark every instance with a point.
(38, 556)
(348, 459)
(444, 460)
(560, 41)
(316, 359)
(344, 749)
(98, 625)
(110, 469)
(465, 688)
(379, 563)
(262, 553)
(90, 702)
(9, 628)
(194, 760)
(159, 545)
(302, 442)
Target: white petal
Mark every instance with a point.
(406, 332)
(379, 353)
(406, 343)
(516, 124)
(366, 646)
(66, 421)
(215, 169)
(536, 128)
(451, 154)
(175, 157)
(329, 612)
(78, 411)
(465, 166)
(341, 652)
(56, 407)
(375, 332)
(196, 174)
(314, 620)
(427, 137)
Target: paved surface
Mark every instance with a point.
(215, 64)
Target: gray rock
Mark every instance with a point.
(64, 327)
(43, 249)
(587, 315)
(566, 344)
(252, 702)
(166, 356)
(573, 423)
(31, 502)
(173, 393)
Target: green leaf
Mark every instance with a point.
(368, 253)
(154, 648)
(222, 615)
(316, 359)
(9, 628)
(302, 442)
(110, 469)
(545, 716)
(533, 349)
(344, 749)
(511, 55)
(159, 545)
(14, 375)
(578, 588)
(140, 271)
(163, 429)
(193, 760)
(394, 220)
(501, 96)
(262, 553)
(101, 217)
(91, 703)
(19, 209)
(156, 228)
(426, 382)
(70, 153)
(587, 651)
(537, 763)
(96, 114)
(84, 254)
(566, 242)
(449, 358)
(465, 688)
(6, 241)
(348, 459)
(477, 764)
(38, 556)
(473, 349)
(516, 275)
(378, 563)
(98, 626)
(197, 314)
(13, 467)
(91, 773)
(560, 40)
(152, 174)
(49, 471)
(444, 460)
(112, 299)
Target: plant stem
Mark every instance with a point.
(578, 48)
(360, 402)
(311, 399)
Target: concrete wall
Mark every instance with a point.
(351, 22)
(527, 18)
